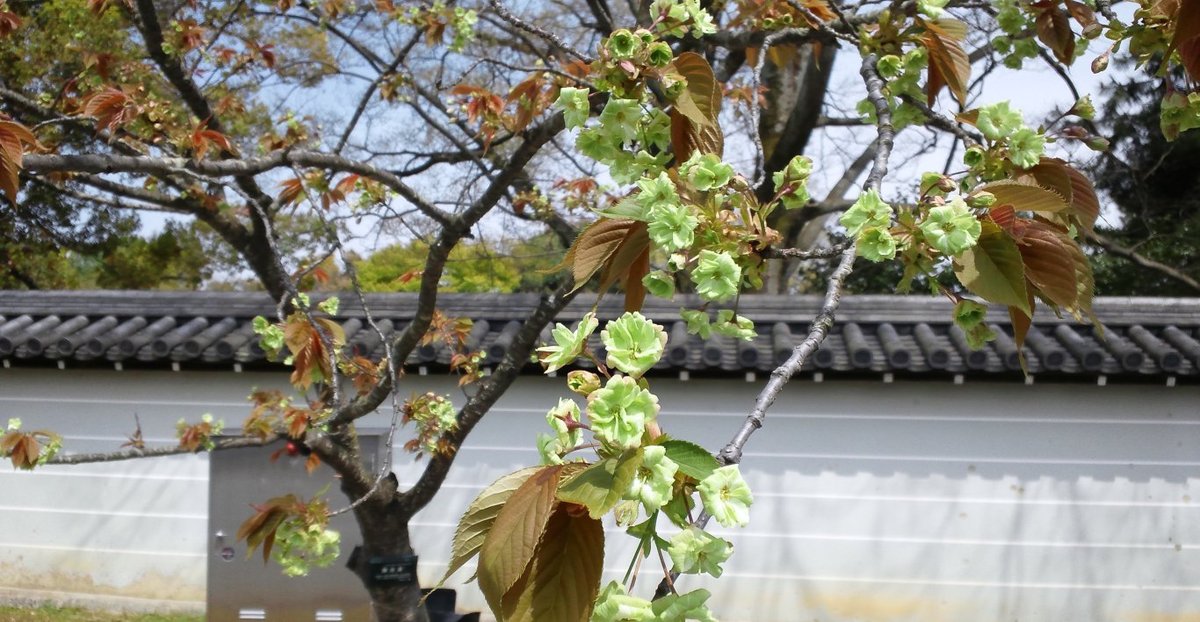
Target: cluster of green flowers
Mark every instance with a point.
(678, 19)
(615, 604)
(904, 76)
(621, 414)
(1005, 129)
(434, 415)
(460, 21)
(1017, 44)
(301, 544)
(970, 316)
(1180, 113)
(947, 225)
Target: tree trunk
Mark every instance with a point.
(385, 533)
(795, 93)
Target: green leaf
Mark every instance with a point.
(513, 538)
(993, 269)
(600, 486)
(1026, 197)
(477, 521)
(693, 460)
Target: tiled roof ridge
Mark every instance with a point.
(1143, 337)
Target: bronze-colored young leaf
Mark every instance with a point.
(567, 568)
(477, 521)
(701, 100)
(1049, 264)
(1054, 29)
(949, 65)
(21, 448)
(595, 245)
(514, 536)
(1021, 321)
(600, 486)
(14, 139)
(1024, 197)
(1085, 205)
(1186, 39)
(993, 269)
(687, 137)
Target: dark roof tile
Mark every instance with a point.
(1141, 337)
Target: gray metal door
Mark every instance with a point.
(241, 588)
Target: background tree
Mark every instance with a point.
(613, 129)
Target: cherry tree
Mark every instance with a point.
(669, 145)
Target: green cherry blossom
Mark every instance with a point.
(659, 54)
(619, 412)
(595, 144)
(655, 130)
(568, 344)
(716, 276)
(1025, 148)
(672, 227)
(619, 119)
(655, 190)
(998, 120)
(695, 551)
(583, 382)
(951, 228)
(651, 485)
(698, 322)
(683, 607)
(869, 210)
(574, 104)
(614, 604)
(731, 325)
(876, 244)
(560, 419)
(623, 44)
(659, 284)
(550, 449)
(706, 172)
(726, 496)
(702, 22)
(634, 343)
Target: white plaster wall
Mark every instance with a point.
(901, 502)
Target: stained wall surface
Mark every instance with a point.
(883, 502)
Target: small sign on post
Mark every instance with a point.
(397, 569)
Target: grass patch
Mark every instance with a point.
(50, 613)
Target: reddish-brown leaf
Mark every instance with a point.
(1049, 264)
(1186, 39)
(512, 541)
(21, 448)
(596, 245)
(204, 138)
(111, 107)
(9, 22)
(15, 140)
(949, 65)
(1054, 29)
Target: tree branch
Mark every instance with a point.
(236, 442)
(1141, 260)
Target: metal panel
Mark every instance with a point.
(242, 588)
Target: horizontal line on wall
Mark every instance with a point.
(899, 458)
(74, 400)
(45, 472)
(938, 418)
(123, 514)
(1012, 500)
(820, 537)
(620, 571)
(1007, 500)
(82, 549)
(969, 459)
